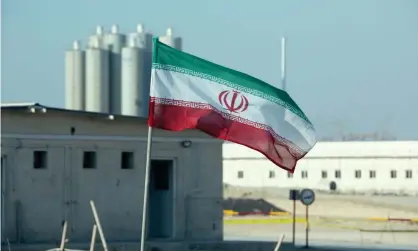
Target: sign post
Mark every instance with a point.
(294, 195)
(307, 197)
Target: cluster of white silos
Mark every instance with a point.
(112, 74)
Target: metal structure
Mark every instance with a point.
(113, 74)
(97, 78)
(75, 78)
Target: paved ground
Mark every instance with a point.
(336, 220)
(323, 236)
(331, 245)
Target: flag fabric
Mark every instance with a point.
(188, 92)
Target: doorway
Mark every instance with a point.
(161, 199)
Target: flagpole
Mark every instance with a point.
(283, 64)
(283, 80)
(146, 188)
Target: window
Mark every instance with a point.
(127, 160)
(89, 160)
(338, 174)
(240, 174)
(393, 174)
(40, 159)
(304, 174)
(372, 174)
(289, 175)
(324, 174)
(272, 174)
(408, 174)
(357, 174)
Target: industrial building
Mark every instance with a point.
(112, 74)
(54, 161)
(348, 167)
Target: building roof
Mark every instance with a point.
(33, 107)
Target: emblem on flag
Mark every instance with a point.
(234, 103)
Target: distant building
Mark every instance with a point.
(54, 161)
(349, 167)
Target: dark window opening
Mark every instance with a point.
(324, 174)
(357, 174)
(393, 174)
(160, 174)
(372, 174)
(89, 160)
(127, 160)
(40, 159)
(333, 186)
(408, 174)
(240, 174)
(304, 174)
(272, 174)
(338, 174)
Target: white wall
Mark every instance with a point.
(64, 188)
(346, 157)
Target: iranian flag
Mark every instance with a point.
(188, 92)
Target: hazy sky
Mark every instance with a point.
(352, 65)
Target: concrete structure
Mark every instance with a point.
(75, 78)
(115, 41)
(102, 72)
(133, 101)
(98, 38)
(97, 79)
(370, 167)
(54, 161)
(142, 77)
(170, 40)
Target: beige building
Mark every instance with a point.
(54, 161)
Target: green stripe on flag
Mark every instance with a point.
(170, 59)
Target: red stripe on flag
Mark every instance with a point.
(178, 118)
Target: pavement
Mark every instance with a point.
(337, 221)
(324, 237)
(330, 245)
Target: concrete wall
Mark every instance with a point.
(383, 158)
(38, 200)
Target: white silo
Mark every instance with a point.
(133, 103)
(115, 41)
(170, 40)
(98, 38)
(75, 78)
(143, 40)
(97, 78)
(140, 36)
